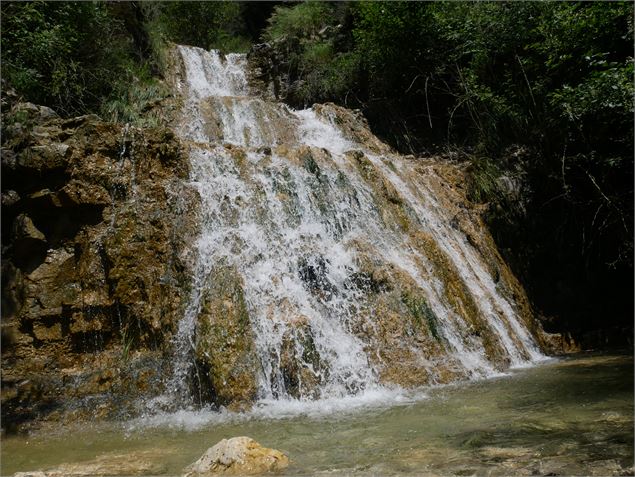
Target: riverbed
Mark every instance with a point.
(567, 416)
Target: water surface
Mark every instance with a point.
(572, 416)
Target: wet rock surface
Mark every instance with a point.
(325, 263)
(225, 342)
(95, 223)
(354, 266)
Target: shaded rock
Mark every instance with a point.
(8, 158)
(29, 243)
(557, 343)
(237, 456)
(23, 229)
(44, 157)
(10, 198)
(33, 112)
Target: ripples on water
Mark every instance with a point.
(567, 417)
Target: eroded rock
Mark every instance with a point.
(97, 223)
(237, 456)
(225, 342)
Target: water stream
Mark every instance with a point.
(568, 417)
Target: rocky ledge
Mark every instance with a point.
(95, 221)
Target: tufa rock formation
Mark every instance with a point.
(95, 223)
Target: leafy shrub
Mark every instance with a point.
(318, 59)
(67, 55)
(207, 25)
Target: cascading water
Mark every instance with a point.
(297, 210)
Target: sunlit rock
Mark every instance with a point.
(357, 267)
(95, 263)
(224, 341)
(237, 456)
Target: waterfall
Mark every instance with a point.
(350, 269)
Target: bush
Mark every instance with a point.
(316, 47)
(208, 25)
(67, 55)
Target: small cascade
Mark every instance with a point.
(327, 265)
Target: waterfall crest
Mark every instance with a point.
(328, 265)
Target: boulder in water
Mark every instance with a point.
(237, 456)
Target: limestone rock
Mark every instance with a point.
(29, 243)
(237, 456)
(33, 112)
(94, 262)
(352, 124)
(25, 230)
(44, 157)
(225, 341)
(79, 193)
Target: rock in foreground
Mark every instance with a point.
(237, 456)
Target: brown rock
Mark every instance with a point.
(44, 157)
(237, 456)
(24, 229)
(225, 342)
(97, 262)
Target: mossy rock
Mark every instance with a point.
(225, 342)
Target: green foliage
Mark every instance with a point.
(128, 339)
(207, 25)
(484, 174)
(303, 21)
(134, 103)
(313, 40)
(553, 79)
(79, 57)
(63, 54)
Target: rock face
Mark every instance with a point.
(237, 456)
(261, 253)
(224, 341)
(95, 223)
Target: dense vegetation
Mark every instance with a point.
(536, 96)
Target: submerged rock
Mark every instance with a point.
(237, 456)
(136, 463)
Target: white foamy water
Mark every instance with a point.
(288, 222)
(277, 409)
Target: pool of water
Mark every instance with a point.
(572, 416)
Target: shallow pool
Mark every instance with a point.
(572, 416)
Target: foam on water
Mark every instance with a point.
(277, 409)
